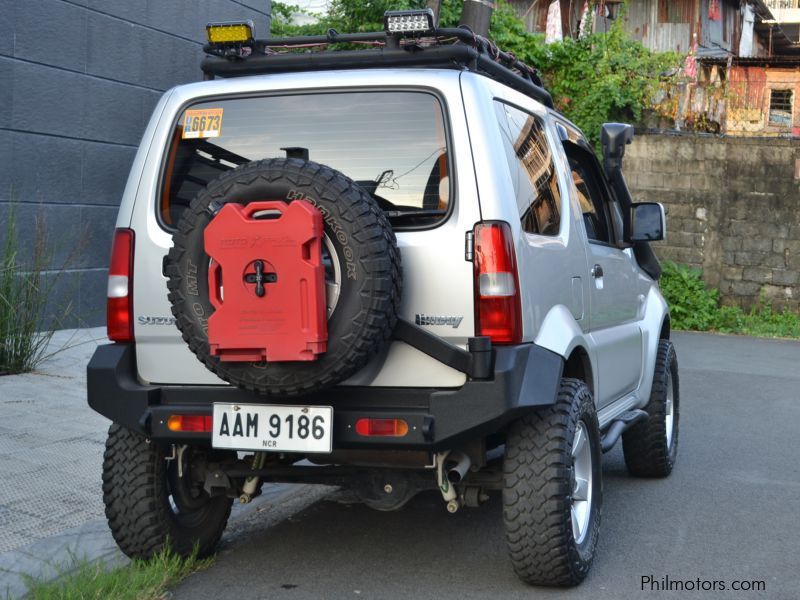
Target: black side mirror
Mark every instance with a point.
(613, 139)
(648, 222)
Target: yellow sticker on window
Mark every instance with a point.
(202, 123)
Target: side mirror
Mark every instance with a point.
(648, 222)
(613, 139)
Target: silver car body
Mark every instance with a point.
(615, 319)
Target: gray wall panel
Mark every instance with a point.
(97, 229)
(47, 100)
(7, 17)
(5, 164)
(113, 112)
(105, 171)
(6, 91)
(51, 32)
(43, 169)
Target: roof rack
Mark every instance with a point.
(454, 48)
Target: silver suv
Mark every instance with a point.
(392, 270)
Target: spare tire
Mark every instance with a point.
(363, 275)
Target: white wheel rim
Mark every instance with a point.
(669, 411)
(582, 488)
(333, 275)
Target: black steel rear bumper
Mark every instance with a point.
(525, 376)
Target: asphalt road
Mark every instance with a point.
(729, 512)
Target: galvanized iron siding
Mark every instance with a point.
(646, 22)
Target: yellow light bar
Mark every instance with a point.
(238, 31)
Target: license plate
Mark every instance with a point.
(272, 428)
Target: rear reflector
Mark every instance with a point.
(200, 423)
(119, 309)
(381, 427)
(498, 313)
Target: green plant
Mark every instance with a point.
(140, 580)
(762, 320)
(692, 305)
(695, 307)
(28, 317)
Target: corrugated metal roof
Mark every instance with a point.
(762, 61)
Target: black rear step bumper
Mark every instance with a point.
(525, 376)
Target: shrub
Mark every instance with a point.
(692, 305)
(27, 293)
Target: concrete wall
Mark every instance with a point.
(78, 81)
(733, 210)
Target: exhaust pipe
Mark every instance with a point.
(457, 466)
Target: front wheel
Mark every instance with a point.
(553, 492)
(650, 447)
(151, 503)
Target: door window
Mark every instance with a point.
(592, 194)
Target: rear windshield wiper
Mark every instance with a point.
(398, 215)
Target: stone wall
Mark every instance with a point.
(733, 210)
(78, 81)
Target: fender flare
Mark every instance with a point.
(561, 334)
(654, 312)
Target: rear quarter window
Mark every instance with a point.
(532, 168)
(392, 143)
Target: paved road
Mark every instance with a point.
(728, 512)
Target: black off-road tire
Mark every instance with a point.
(136, 493)
(371, 278)
(538, 486)
(648, 452)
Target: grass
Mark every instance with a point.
(27, 293)
(694, 307)
(139, 580)
(760, 321)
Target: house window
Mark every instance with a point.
(780, 108)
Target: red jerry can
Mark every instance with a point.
(266, 282)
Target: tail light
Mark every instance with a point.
(201, 423)
(119, 310)
(498, 313)
(382, 427)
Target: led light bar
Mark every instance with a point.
(409, 21)
(232, 32)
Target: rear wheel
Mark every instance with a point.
(651, 446)
(553, 494)
(151, 502)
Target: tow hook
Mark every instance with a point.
(445, 487)
(251, 483)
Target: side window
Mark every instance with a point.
(592, 194)
(533, 171)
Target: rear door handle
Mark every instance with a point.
(597, 271)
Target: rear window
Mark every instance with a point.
(392, 143)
